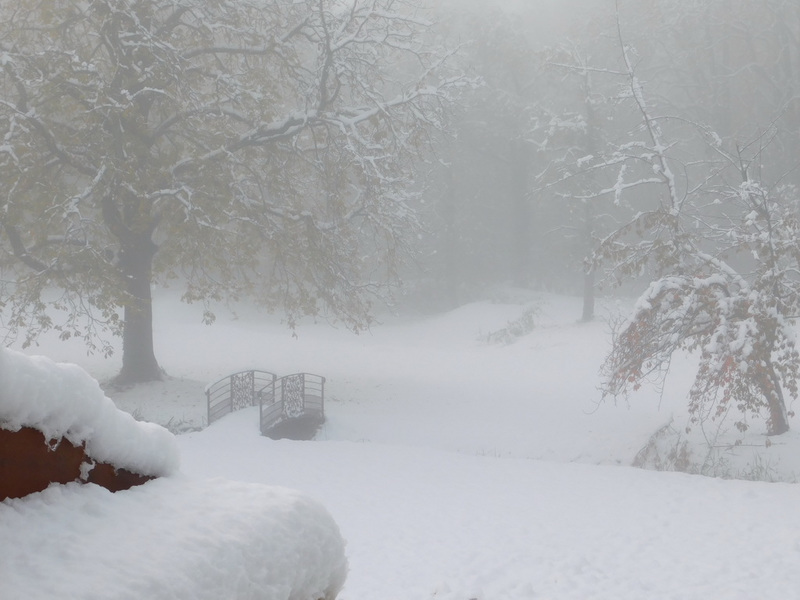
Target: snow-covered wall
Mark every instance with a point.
(206, 539)
(62, 400)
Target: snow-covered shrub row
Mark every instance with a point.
(62, 400)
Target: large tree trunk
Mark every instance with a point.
(452, 268)
(588, 209)
(588, 293)
(770, 386)
(138, 356)
(588, 267)
(520, 215)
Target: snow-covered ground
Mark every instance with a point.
(175, 537)
(461, 469)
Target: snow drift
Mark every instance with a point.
(170, 538)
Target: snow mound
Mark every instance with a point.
(62, 400)
(171, 538)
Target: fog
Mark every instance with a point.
(419, 154)
(539, 168)
(482, 189)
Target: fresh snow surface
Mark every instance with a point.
(424, 524)
(171, 538)
(459, 469)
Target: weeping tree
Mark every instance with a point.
(723, 247)
(232, 146)
(739, 320)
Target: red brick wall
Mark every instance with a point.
(29, 463)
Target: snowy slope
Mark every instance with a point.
(458, 469)
(427, 524)
(436, 382)
(431, 381)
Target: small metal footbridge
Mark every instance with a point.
(292, 406)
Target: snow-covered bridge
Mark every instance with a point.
(292, 406)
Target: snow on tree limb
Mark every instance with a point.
(240, 146)
(739, 321)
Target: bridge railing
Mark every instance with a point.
(236, 391)
(300, 395)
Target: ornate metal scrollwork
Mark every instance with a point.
(242, 390)
(293, 401)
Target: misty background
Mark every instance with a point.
(482, 169)
(513, 198)
(417, 156)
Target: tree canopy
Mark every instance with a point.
(233, 146)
